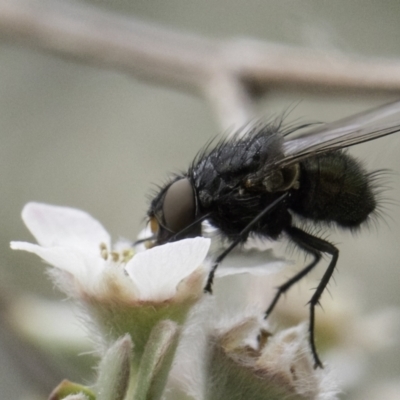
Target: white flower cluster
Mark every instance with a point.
(157, 323)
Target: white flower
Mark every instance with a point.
(120, 292)
(149, 295)
(80, 249)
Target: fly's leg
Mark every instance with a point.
(315, 246)
(242, 235)
(218, 260)
(287, 285)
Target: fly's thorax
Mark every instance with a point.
(334, 187)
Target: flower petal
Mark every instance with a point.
(81, 266)
(64, 226)
(158, 271)
(258, 270)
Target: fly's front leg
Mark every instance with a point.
(240, 238)
(210, 279)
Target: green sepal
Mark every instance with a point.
(156, 361)
(114, 370)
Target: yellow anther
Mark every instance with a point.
(103, 251)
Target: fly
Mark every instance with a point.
(262, 182)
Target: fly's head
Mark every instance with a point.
(173, 211)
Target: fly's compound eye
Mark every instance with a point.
(179, 205)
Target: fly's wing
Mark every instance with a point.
(346, 132)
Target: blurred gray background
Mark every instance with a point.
(97, 140)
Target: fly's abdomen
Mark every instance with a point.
(334, 188)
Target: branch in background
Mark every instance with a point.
(226, 72)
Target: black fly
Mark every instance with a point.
(257, 182)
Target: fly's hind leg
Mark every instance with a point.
(315, 246)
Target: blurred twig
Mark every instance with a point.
(226, 72)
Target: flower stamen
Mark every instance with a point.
(127, 254)
(122, 256)
(115, 256)
(103, 251)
